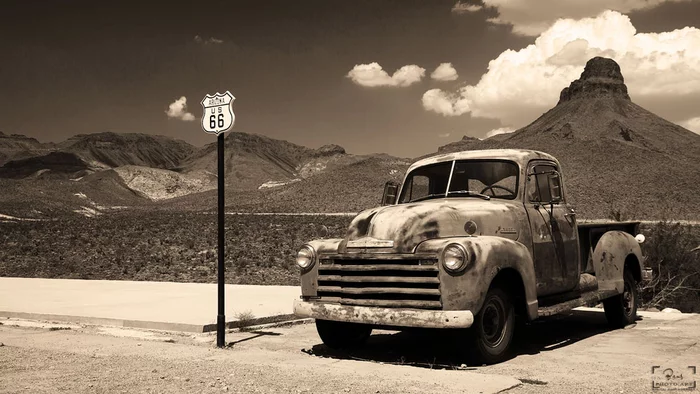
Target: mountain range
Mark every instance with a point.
(618, 161)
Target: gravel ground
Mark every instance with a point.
(572, 354)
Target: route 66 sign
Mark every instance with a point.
(218, 116)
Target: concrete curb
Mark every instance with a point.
(287, 323)
(251, 322)
(152, 325)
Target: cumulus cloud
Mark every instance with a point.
(462, 8)
(211, 40)
(374, 75)
(532, 17)
(178, 110)
(444, 103)
(692, 124)
(444, 72)
(661, 70)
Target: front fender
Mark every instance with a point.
(309, 285)
(609, 258)
(467, 290)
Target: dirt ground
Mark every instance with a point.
(575, 353)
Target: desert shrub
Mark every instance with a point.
(670, 249)
(161, 246)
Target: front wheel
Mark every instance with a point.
(342, 335)
(492, 332)
(621, 310)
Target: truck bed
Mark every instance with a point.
(590, 231)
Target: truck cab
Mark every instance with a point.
(469, 240)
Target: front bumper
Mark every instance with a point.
(399, 317)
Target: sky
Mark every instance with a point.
(395, 76)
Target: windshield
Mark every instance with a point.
(470, 178)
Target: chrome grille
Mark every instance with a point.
(391, 283)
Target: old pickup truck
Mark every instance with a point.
(471, 241)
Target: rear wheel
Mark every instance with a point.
(621, 310)
(342, 335)
(492, 332)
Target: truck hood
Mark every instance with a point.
(400, 228)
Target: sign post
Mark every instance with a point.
(218, 117)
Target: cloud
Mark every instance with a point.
(444, 135)
(444, 72)
(211, 40)
(661, 70)
(443, 103)
(462, 8)
(373, 75)
(501, 130)
(692, 124)
(532, 17)
(178, 110)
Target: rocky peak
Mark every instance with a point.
(600, 78)
(330, 150)
(468, 138)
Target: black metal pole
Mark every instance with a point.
(221, 318)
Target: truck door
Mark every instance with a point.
(554, 235)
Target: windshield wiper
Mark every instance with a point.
(428, 197)
(470, 194)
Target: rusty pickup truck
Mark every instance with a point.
(471, 241)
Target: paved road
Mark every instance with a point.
(157, 305)
(571, 354)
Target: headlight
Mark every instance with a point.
(454, 257)
(306, 256)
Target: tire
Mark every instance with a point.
(342, 335)
(491, 335)
(621, 310)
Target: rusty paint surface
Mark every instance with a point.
(407, 225)
(609, 259)
(490, 255)
(384, 316)
(555, 242)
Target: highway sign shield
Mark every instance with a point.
(218, 116)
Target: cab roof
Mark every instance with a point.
(520, 156)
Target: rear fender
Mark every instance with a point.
(609, 258)
(488, 257)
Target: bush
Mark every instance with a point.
(161, 246)
(671, 252)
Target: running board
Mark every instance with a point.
(587, 299)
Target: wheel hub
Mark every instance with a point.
(628, 299)
(493, 323)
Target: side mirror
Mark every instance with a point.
(391, 190)
(554, 187)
